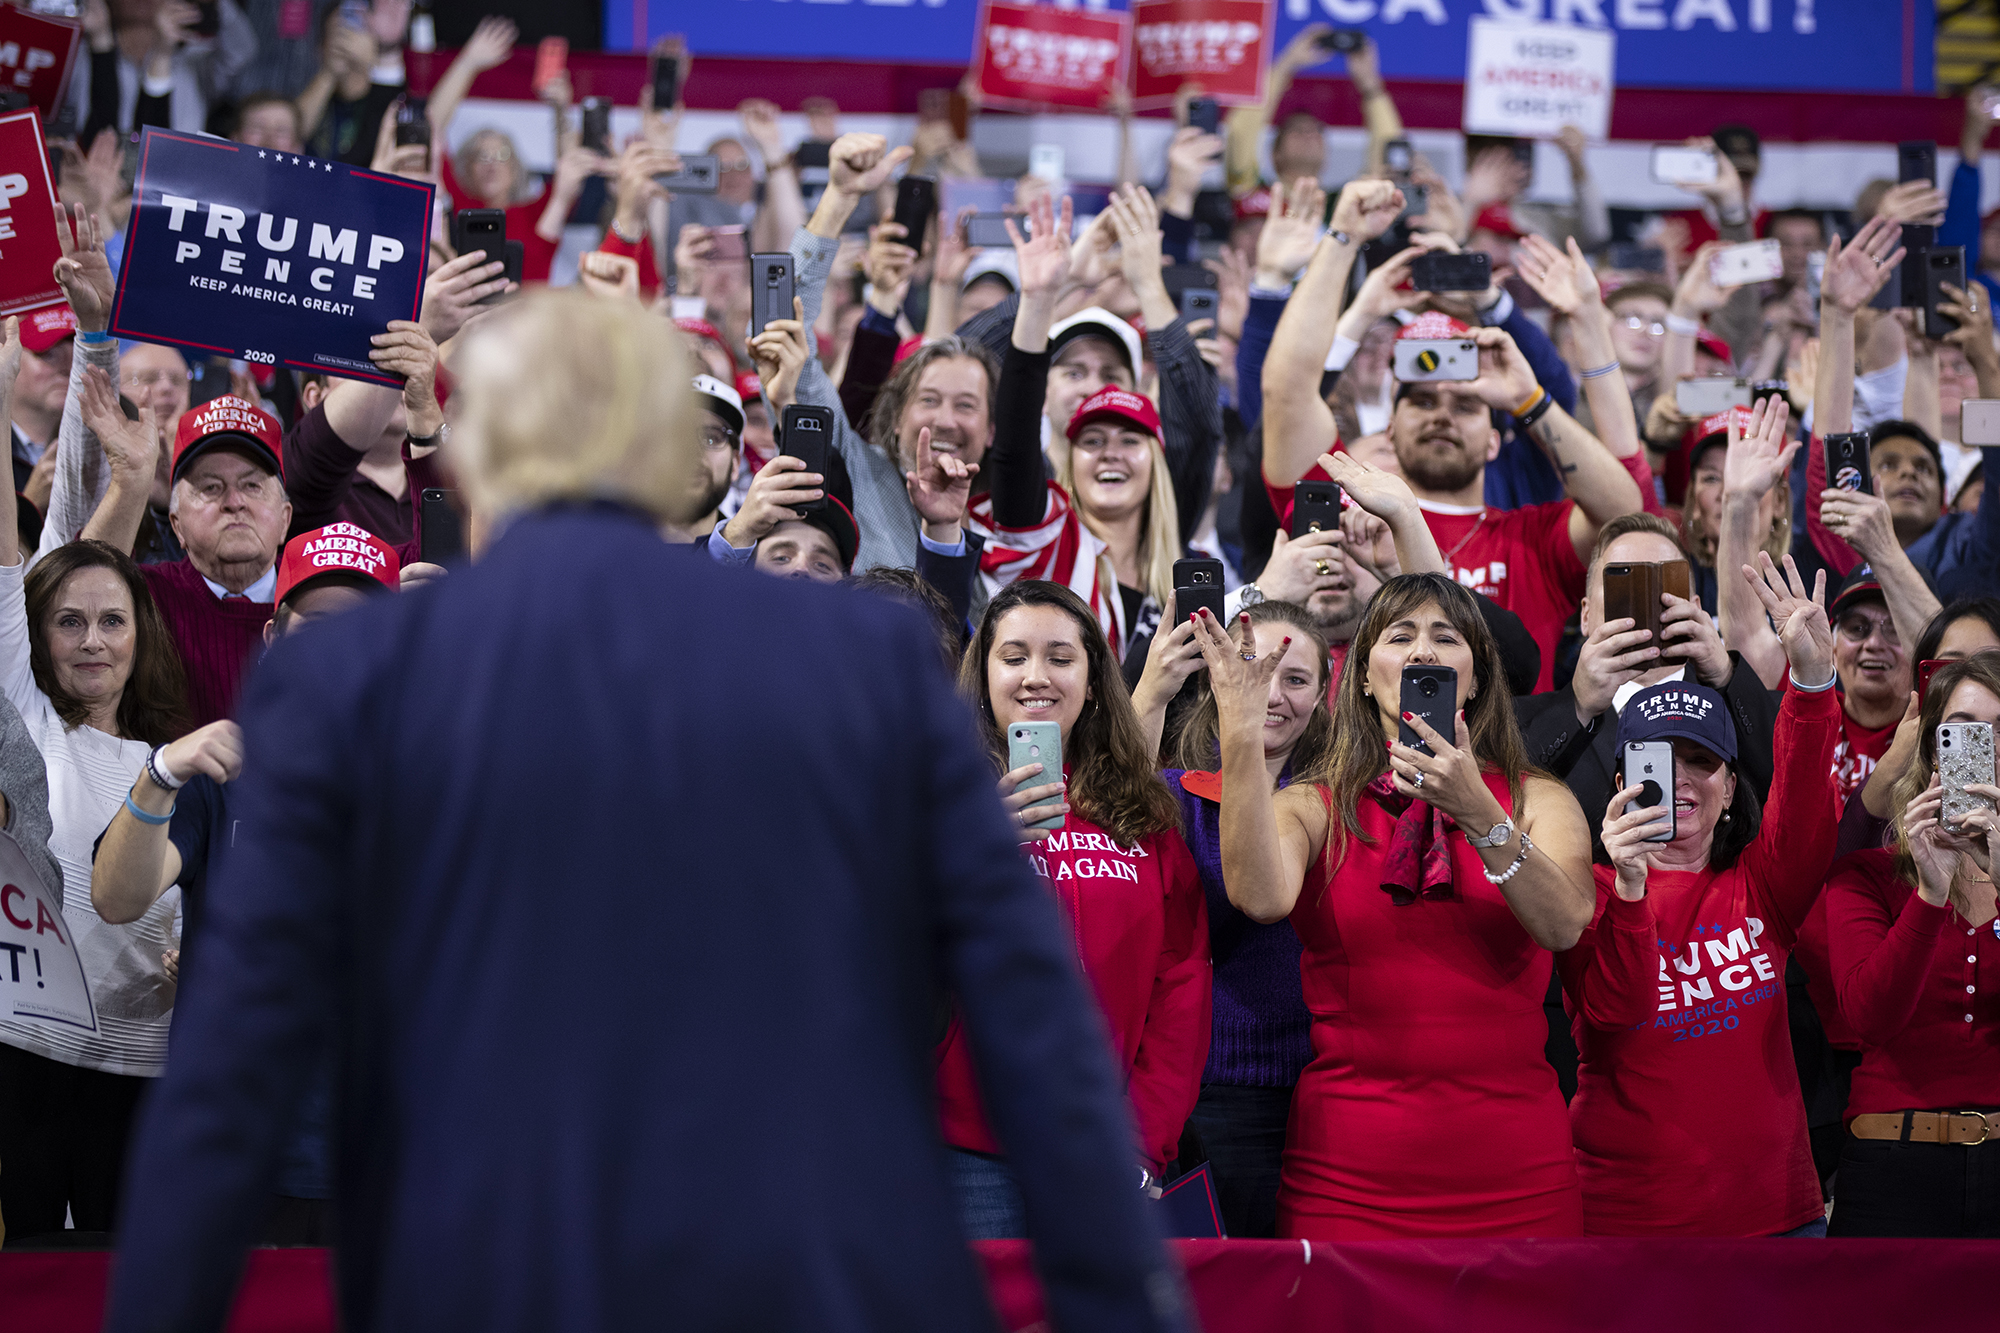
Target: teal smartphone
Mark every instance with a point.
(1038, 743)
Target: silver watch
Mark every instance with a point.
(1250, 595)
(1495, 836)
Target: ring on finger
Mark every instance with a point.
(1418, 780)
(1321, 568)
(1248, 657)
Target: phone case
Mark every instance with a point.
(1423, 360)
(1964, 756)
(1472, 272)
(596, 125)
(916, 200)
(481, 229)
(1673, 164)
(1197, 583)
(1632, 591)
(770, 290)
(1847, 462)
(1753, 261)
(1198, 303)
(1942, 264)
(1916, 160)
(551, 58)
(806, 433)
(1315, 507)
(1038, 743)
(1676, 579)
(1431, 692)
(1979, 421)
(1651, 762)
(443, 540)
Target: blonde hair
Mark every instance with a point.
(1159, 530)
(564, 396)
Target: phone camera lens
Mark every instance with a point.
(1428, 688)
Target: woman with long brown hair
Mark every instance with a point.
(1117, 866)
(1429, 887)
(1919, 1155)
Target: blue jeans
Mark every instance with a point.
(1815, 1228)
(989, 1202)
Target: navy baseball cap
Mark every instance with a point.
(1679, 709)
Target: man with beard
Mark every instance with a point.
(721, 436)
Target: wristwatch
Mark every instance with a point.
(1250, 595)
(1340, 237)
(1499, 834)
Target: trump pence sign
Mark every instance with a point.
(273, 258)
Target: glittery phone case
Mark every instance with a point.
(1965, 756)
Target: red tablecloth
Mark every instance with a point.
(1277, 1286)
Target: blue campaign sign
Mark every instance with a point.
(276, 258)
(1876, 46)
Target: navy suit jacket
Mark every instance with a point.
(624, 884)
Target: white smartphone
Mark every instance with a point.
(1650, 765)
(1420, 360)
(1675, 165)
(1705, 395)
(1045, 162)
(1753, 261)
(1979, 421)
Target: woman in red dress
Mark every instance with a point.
(1428, 1109)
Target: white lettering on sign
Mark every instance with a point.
(1029, 56)
(326, 245)
(12, 186)
(225, 221)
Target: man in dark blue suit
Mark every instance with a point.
(624, 885)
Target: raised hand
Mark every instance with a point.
(131, 447)
(887, 263)
(1090, 256)
(1383, 494)
(1232, 290)
(1689, 635)
(10, 356)
(940, 484)
(780, 354)
(1856, 271)
(1799, 616)
(1381, 291)
(1451, 780)
(1563, 278)
(406, 350)
(1367, 208)
(84, 272)
(1303, 565)
(1173, 655)
(778, 485)
(609, 275)
(215, 750)
(453, 292)
(1759, 457)
(1625, 840)
(760, 123)
(1291, 233)
(1042, 257)
(1237, 676)
(952, 256)
(1912, 201)
(1137, 220)
(1697, 294)
(859, 163)
(1614, 653)
(490, 44)
(1861, 519)
(1506, 380)
(1938, 855)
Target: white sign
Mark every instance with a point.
(1531, 79)
(41, 978)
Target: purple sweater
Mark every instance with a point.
(1260, 1034)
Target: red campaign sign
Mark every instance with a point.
(1035, 55)
(1223, 45)
(28, 246)
(35, 56)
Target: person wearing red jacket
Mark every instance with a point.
(1126, 883)
(1687, 1114)
(1918, 1158)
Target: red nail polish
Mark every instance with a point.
(1409, 717)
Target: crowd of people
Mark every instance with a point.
(1386, 973)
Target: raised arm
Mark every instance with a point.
(489, 46)
(1017, 472)
(1756, 461)
(81, 477)
(1386, 496)
(137, 861)
(132, 448)
(1853, 274)
(1244, 129)
(10, 367)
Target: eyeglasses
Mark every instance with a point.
(147, 379)
(731, 168)
(1650, 328)
(1859, 629)
(715, 439)
(493, 157)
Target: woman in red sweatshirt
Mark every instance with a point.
(1130, 896)
(1921, 1157)
(1687, 1114)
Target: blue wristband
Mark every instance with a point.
(142, 816)
(97, 337)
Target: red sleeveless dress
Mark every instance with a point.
(1428, 1109)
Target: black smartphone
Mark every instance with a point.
(666, 81)
(1342, 39)
(413, 122)
(1847, 462)
(1436, 271)
(1431, 692)
(1315, 507)
(1631, 255)
(512, 253)
(1205, 113)
(916, 200)
(1198, 303)
(1918, 239)
(597, 124)
(813, 161)
(988, 231)
(770, 290)
(806, 433)
(479, 229)
(1916, 160)
(700, 173)
(1197, 583)
(1397, 156)
(1942, 264)
(443, 539)
(1891, 294)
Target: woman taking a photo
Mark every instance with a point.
(1918, 1157)
(1676, 992)
(89, 663)
(1116, 864)
(1426, 955)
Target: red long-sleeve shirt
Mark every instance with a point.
(537, 255)
(1687, 1115)
(1927, 1010)
(1140, 924)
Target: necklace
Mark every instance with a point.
(1450, 555)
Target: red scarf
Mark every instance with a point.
(1418, 864)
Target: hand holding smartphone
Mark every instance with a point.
(1431, 693)
(1038, 743)
(1649, 766)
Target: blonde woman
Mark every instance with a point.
(1105, 526)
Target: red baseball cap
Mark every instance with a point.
(1496, 218)
(1712, 344)
(701, 328)
(1256, 204)
(337, 549)
(1720, 423)
(1433, 324)
(229, 422)
(44, 328)
(836, 520)
(1112, 403)
(748, 387)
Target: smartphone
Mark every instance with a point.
(1964, 756)
(413, 123)
(1891, 294)
(1315, 507)
(1675, 165)
(512, 253)
(1198, 303)
(1416, 202)
(1815, 274)
(812, 161)
(1752, 261)
(1397, 156)
(1436, 271)
(666, 80)
(1916, 160)
(1045, 161)
(1942, 264)
(1847, 462)
(1431, 692)
(916, 200)
(806, 433)
(770, 290)
(988, 231)
(730, 244)
(1925, 670)
(443, 539)
(1038, 743)
(1205, 114)
(1197, 584)
(597, 124)
(1342, 40)
(552, 58)
(1979, 421)
(1705, 395)
(479, 229)
(1632, 592)
(1641, 258)
(1423, 360)
(700, 173)
(1649, 765)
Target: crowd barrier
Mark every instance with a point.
(1249, 1286)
